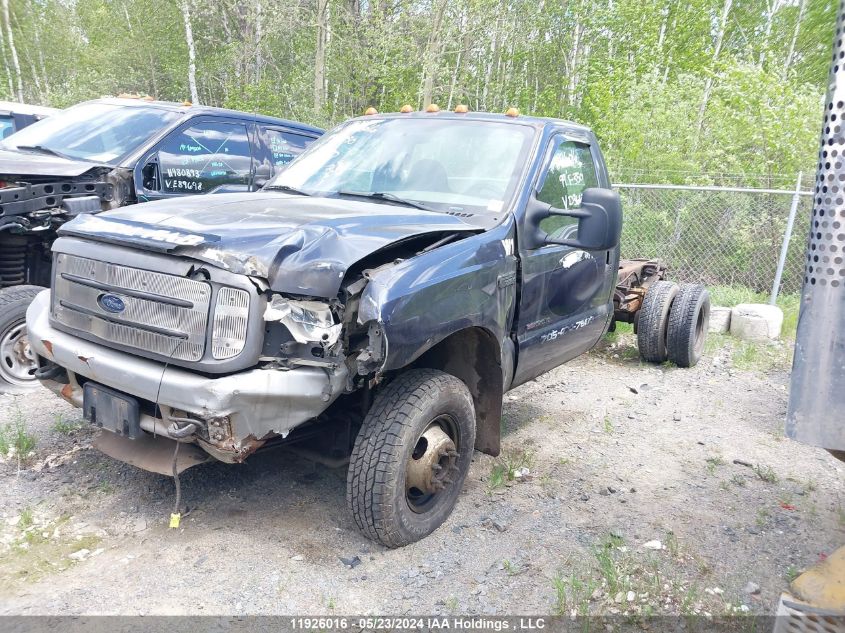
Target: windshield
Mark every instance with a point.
(443, 164)
(96, 132)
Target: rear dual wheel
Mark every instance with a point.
(673, 323)
(411, 457)
(653, 321)
(689, 321)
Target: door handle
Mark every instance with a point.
(571, 258)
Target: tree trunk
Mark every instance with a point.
(708, 84)
(320, 56)
(465, 44)
(573, 62)
(788, 63)
(128, 21)
(192, 53)
(488, 71)
(6, 64)
(259, 35)
(771, 8)
(41, 63)
(15, 62)
(431, 53)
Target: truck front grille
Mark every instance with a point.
(150, 311)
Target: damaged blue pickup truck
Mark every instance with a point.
(377, 297)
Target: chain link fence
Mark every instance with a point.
(719, 236)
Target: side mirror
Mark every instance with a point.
(599, 221)
(149, 177)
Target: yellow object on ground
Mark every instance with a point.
(823, 585)
(817, 603)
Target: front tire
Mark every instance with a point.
(411, 457)
(17, 360)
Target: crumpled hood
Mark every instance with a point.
(26, 163)
(300, 245)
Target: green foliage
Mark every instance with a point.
(730, 296)
(15, 440)
(26, 518)
(766, 473)
(572, 595)
(65, 427)
(713, 463)
(638, 71)
(505, 468)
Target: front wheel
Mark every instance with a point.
(411, 457)
(17, 360)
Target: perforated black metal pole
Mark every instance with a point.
(817, 396)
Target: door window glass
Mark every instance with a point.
(285, 146)
(570, 172)
(204, 156)
(7, 126)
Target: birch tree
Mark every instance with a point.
(192, 52)
(320, 56)
(708, 83)
(788, 62)
(432, 50)
(13, 50)
(772, 7)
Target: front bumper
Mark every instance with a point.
(258, 403)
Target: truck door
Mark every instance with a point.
(275, 148)
(201, 156)
(565, 292)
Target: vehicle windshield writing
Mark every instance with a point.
(96, 132)
(444, 164)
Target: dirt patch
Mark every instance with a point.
(617, 491)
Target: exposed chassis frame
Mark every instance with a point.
(635, 278)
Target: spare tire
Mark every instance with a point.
(689, 321)
(654, 320)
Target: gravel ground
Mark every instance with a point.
(633, 503)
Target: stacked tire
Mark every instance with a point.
(673, 322)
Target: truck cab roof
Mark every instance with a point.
(541, 123)
(194, 110)
(14, 107)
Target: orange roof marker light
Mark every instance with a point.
(461, 108)
(514, 112)
(433, 107)
(406, 109)
(187, 103)
(370, 111)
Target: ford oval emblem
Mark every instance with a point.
(111, 303)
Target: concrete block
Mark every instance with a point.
(720, 319)
(757, 322)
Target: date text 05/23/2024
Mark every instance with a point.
(407, 623)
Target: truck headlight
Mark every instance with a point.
(231, 313)
(307, 321)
